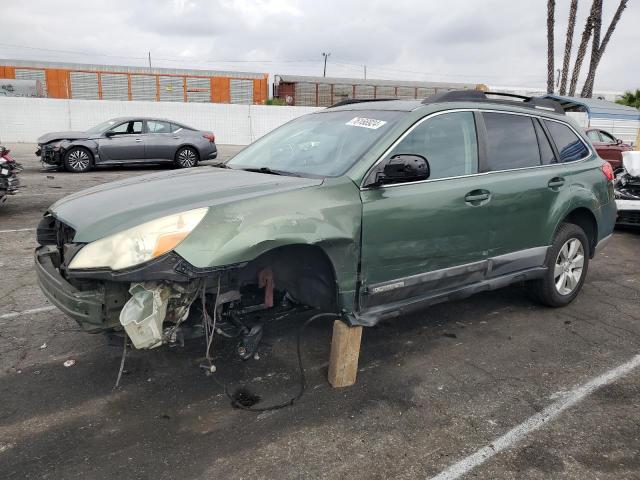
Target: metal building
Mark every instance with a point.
(620, 120)
(324, 91)
(111, 82)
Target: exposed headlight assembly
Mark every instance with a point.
(138, 244)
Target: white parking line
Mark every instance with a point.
(18, 230)
(513, 436)
(27, 312)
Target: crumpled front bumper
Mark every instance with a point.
(95, 309)
(628, 212)
(48, 155)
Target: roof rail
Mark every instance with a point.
(478, 96)
(349, 101)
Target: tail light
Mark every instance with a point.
(607, 171)
(210, 136)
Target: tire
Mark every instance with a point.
(567, 265)
(187, 157)
(78, 160)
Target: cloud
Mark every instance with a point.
(495, 41)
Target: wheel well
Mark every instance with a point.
(175, 157)
(81, 147)
(304, 271)
(585, 219)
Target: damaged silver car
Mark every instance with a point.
(127, 141)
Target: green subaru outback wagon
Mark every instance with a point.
(369, 209)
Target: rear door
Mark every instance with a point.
(424, 236)
(530, 185)
(126, 143)
(160, 143)
(525, 183)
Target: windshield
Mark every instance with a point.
(102, 127)
(321, 144)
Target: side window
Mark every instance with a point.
(121, 129)
(511, 141)
(606, 137)
(571, 148)
(594, 136)
(156, 126)
(136, 127)
(447, 141)
(176, 128)
(546, 151)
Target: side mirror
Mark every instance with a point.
(618, 141)
(404, 168)
(109, 134)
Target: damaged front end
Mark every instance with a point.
(51, 153)
(162, 302)
(627, 190)
(9, 169)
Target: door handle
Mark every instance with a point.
(477, 197)
(556, 182)
(176, 138)
(138, 139)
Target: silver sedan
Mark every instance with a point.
(128, 140)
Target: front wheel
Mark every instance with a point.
(77, 160)
(186, 157)
(567, 265)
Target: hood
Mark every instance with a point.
(50, 137)
(112, 207)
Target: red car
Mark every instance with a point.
(608, 147)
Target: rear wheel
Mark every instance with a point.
(567, 265)
(77, 160)
(186, 157)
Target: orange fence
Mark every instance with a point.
(92, 84)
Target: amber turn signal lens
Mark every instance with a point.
(167, 242)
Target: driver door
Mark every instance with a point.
(124, 142)
(430, 235)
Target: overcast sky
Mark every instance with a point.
(497, 42)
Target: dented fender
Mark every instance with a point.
(327, 216)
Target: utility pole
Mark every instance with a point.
(365, 72)
(149, 59)
(325, 55)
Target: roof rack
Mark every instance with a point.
(349, 101)
(478, 96)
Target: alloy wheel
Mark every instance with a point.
(187, 158)
(78, 160)
(567, 271)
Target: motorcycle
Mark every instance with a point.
(9, 168)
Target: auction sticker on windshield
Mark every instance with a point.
(371, 123)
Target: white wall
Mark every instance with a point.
(25, 119)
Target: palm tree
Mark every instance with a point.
(573, 10)
(582, 50)
(631, 99)
(598, 48)
(551, 5)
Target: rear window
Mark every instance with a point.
(511, 142)
(158, 126)
(569, 145)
